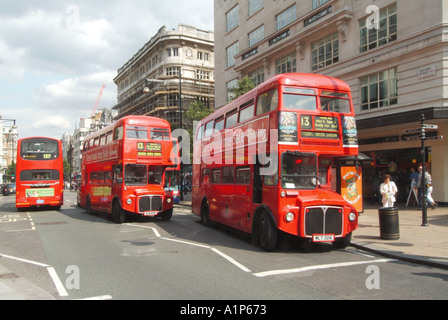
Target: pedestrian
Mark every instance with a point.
(414, 181)
(429, 190)
(420, 187)
(388, 190)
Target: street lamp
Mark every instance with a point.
(147, 90)
(12, 138)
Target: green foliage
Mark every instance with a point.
(244, 85)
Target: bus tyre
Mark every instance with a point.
(88, 207)
(166, 215)
(344, 242)
(205, 218)
(267, 234)
(118, 214)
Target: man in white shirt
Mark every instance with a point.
(388, 190)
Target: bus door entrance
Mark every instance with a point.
(349, 180)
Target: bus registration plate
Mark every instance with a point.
(150, 213)
(323, 238)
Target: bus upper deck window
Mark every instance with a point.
(335, 102)
(137, 133)
(299, 99)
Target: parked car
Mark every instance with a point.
(9, 188)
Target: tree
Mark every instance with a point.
(198, 111)
(244, 85)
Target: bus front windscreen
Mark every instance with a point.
(299, 171)
(39, 149)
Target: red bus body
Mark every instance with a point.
(40, 173)
(303, 123)
(123, 169)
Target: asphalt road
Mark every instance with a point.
(75, 255)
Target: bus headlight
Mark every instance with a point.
(352, 216)
(129, 201)
(168, 200)
(289, 216)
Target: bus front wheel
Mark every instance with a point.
(205, 217)
(118, 214)
(267, 233)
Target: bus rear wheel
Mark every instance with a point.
(205, 217)
(267, 233)
(118, 214)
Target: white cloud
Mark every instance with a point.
(51, 122)
(56, 55)
(11, 67)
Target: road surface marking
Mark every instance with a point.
(57, 282)
(319, 267)
(230, 259)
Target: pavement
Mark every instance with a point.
(427, 245)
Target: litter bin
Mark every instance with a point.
(389, 223)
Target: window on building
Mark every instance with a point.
(172, 71)
(255, 5)
(286, 17)
(257, 76)
(202, 74)
(230, 86)
(256, 36)
(231, 52)
(377, 33)
(203, 56)
(318, 3)
(286, 64)
(325, 51)
(379, 90)
(232, 18)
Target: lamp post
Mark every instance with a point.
(12, 138)
(180, 138)
(147, 90)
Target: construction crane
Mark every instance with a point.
(97, 101)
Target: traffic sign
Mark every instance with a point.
(435, 138)
(412, 138)
(430, 126)
(412, 131)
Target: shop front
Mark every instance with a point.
(386, 142)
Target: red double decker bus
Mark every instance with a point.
(266, 162)
(123, 169)
(40, 173)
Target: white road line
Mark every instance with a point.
(54, 276)
(156, 232)
(25, 260)
(33, 227)
(104, 297)
(189, 243)
(230, 259)
(57, 282)
(319, 267)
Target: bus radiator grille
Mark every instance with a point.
(149, 203)
(323, 220)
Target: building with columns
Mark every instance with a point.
(393, 54)
(148, 84)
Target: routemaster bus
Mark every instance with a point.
(39, 176)
(123, 169)
(266, 163)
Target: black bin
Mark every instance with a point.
(389, 223)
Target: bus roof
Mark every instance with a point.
(48, 138)
(133, 121)
(310, 80)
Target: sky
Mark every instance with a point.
(55, 55)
